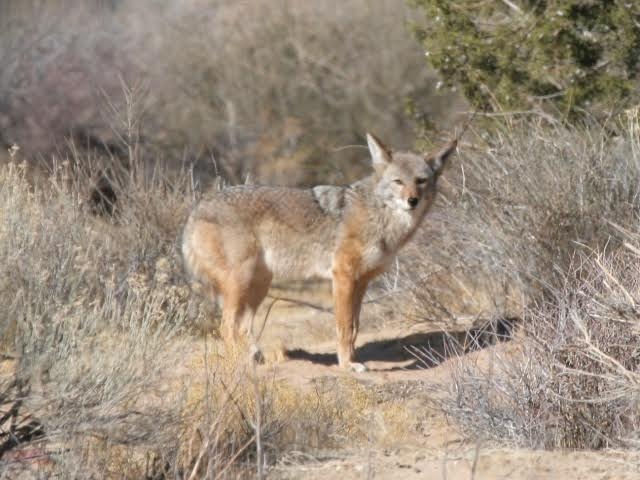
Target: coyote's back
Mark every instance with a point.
(237, 240)
(287, 231)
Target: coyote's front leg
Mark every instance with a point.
(347, 298)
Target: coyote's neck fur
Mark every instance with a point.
(361, 217)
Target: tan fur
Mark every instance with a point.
(237, 240)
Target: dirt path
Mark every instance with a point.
(432, 448)
(407, 437)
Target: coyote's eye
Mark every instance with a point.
(397, 181)
(421, 181)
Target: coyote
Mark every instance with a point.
(238, 239)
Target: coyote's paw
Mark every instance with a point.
(358, 367)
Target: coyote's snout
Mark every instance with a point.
(238, 239)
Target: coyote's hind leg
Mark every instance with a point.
(244, 290)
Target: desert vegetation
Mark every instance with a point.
(551, 218)
(509, 322)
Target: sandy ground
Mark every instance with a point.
(299, 346)
(432, 450)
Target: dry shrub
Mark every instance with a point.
(589, 338)
(221, 411)
(572, 380)
(94, 315)
(104, 378)
(56, 254)
(513, 211)
(549, 213)
(55, 62)
(95, 382)
(278, 90)
(278, 85)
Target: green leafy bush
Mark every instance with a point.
(559, 56)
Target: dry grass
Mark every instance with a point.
(514, 210)
(93, 313)
(571, 380)
(103, 372)
(552, 212)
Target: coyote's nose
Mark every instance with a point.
(413, 201)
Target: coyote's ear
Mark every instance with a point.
(438, 160)
(380, 155)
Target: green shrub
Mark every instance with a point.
(561, 56)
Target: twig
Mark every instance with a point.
(512, 6)
(258, 422)
(236, 455)
(288, 300)
(476, 456)
(9, 356)
(514, 113)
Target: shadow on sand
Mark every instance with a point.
(421, 350)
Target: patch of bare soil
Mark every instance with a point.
(427, 445)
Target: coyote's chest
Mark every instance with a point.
(373, 246)
(376, 256)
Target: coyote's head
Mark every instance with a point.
(406, 181)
